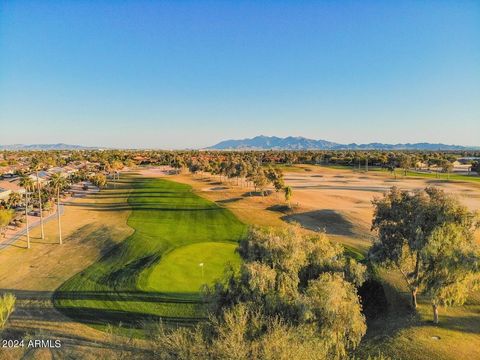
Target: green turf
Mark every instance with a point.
(191, 266)
(155, 273)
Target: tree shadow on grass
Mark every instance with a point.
(228, 201)
(398, 317)
(264, 193)
(43, 306)
(284, 209)
(331, 221)
(147, 206)
(464, 324)
(65, 302)
(131, 319)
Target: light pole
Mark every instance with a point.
(58, 216)
(40, 205)
(26, 219)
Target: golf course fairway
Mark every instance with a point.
(180, 242)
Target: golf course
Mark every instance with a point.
(180, 242)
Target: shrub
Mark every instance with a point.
(7, 305)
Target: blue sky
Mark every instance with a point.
(191, 73)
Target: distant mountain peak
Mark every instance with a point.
(262, 142)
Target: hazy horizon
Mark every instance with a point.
(140, 74)
(160, 147)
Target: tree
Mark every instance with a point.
(334, 305)
(58, 183)
(476, 167)
(288, 194)
(290, 299)
(447, 167)
(391, 168)
(405, 163)
(405, 222)
(6, 215)
(303, 281)
(260, 180)
(99, 180)
(37, 165)
(452, 261)
(7, 305)
(26, 182)
(14, 199)
(275, 176)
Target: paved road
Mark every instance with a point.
(32, 226)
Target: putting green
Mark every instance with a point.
(191, 266)
(154, 273)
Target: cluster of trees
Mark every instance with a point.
(244, 170)
(99, 180)
(294, 297)
(386, 159)
(429, 237)
(110, 160)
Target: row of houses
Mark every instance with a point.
(10, 181)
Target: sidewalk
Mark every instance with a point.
(78, 192)
(9, 240)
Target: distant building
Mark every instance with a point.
(6, 187)
(468, 159)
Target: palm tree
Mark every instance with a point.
(26, 182)
(36, 164)
(14, 199)
(58, 182)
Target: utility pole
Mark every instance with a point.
(366, 164)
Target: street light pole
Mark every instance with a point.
(58, 216)
(40, 205)
(26, 219)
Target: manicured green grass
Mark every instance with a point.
(191, 266)
(155, 273)
(441, 176)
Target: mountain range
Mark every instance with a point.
(45, 147)
(270, 143)
(300, 143)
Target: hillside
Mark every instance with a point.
(300, 143)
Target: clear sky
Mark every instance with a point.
(175, 74)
